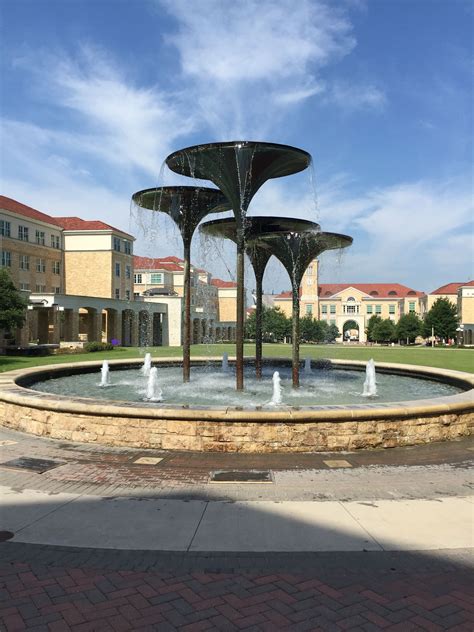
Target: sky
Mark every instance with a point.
(96, 93)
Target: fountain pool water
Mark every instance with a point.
(307, 366)
(225, 362)
(370, 385)
(211, 386)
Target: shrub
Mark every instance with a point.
(91, 347)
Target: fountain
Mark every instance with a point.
(105, 378)
(276, 396)
(186, 206)
(146, 365)
(225, 362)
(307, 366)
(370, 385)
(258, 255)
(153, 391)
(296, 249)
(239, 169)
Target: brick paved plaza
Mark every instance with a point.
(63, 570)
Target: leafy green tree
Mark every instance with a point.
(384, 331)
(409, 327)
(12, 304)
(443, 318)
(275, 325)
(332, 332)
(371, 325)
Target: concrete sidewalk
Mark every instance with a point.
(195, 525)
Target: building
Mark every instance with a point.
(213, 301)
(349, 306)
(78, 276)
(465, 304)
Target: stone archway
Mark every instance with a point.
(90, 324)
(351, 331)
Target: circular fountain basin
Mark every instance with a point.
(235, 422)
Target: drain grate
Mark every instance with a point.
(32, 465)
(6, 535)
(246, 476)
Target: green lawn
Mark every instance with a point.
(458, 359)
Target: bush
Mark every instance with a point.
(91, 347)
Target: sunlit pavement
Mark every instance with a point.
(104, 539)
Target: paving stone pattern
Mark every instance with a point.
(38, 597)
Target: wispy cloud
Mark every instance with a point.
(250, 60)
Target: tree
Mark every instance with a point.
(12, 304)
(332, 333)
(384, 331)
(275, 325)
(371, 325)
(409, 327)
(442, 318)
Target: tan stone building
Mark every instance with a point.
(213, 301)
(465, 304)
(78, 276)
(349, 306)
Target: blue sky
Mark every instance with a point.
(96, 93)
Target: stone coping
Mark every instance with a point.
(12, 392)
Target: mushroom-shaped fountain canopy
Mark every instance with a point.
(187, 206)
(238, 168)
(296, 249)
(259, 254)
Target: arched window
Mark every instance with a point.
(392, 293)
(374, 293)
(411, 293)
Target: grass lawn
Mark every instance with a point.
(457, 359)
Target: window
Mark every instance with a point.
(57, 290)
(332, 309)
(369, 309)
(40, 237)
(137, 278)
(127, 247)
(23, 233)
(350, 309)
(127, 294)
(5, 228)
(117, 269)
(378, 309)
(24, 286)
(392, 293)
(374, 293)
(24, 262)
(40, 266)
(40, 288)
(391, 309)
(411, 307)
(309, 281)
(324, 309)
(309, 270)
(135, 294)
(309, 309)
(55, 241)
(128, 272)
(56, 267)
(156, 277)
(117, 293)
(6, 259)
(117, 244)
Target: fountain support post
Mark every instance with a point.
(295, 336)
(187, 311)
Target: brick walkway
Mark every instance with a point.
(344, 592)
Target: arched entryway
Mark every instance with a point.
(350, 331)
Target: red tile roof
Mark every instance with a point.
(172, 259)
(8, 204)
(148, 263)
(288, 294)
(76, 223)
(223, 284)
(377, 290)
(451, 288)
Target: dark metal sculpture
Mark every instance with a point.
(187, 206)
(258, 255)
(239, 169)
(295, 250)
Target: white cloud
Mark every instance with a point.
(249, 61)
(353, 96)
